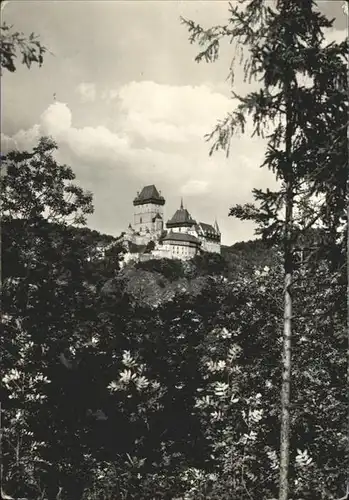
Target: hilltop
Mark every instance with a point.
(153, 282)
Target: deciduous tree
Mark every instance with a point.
(14, 43)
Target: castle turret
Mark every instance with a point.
(183, 239)
(216, 227)
(181, 219)
(148, 212)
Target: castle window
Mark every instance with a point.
(140, 220)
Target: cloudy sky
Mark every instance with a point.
(132, 106)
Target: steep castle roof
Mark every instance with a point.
(181, 237)
(149, 194)
(181, 218)
(208, 230)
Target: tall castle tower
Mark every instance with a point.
(149, 211)
(183, 239)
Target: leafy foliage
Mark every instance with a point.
(181, 399)
(13, 42)
(171, 269)
(178, 401)
(36, 186)
(296, 104)
(286, 47)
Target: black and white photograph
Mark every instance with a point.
(174, 245)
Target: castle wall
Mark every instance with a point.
(211, 246)
(144, 215)
(129, 257)
(162, 252)
(173, 251)
(186, 230)
(150, 228)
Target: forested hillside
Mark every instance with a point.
(161, 379)
(156, 281)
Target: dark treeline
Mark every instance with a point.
(104, 397)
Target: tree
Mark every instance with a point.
(12, 42)
(285, 43)
(44, 288)
(37, 192)
(36, 187)
(238, 401)
(32, 51)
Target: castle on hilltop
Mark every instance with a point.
(183, 238)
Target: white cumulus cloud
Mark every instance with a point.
(171, 113)
(86, 91)
(114, 161)
(56, 120)
(195, 187)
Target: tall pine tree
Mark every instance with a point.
(301, 108)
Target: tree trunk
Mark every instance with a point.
(347, 256)
(346, 496)
(1, 457)
(1, 197)
(287, 327)
(286, 392)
